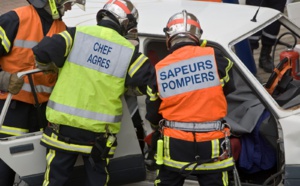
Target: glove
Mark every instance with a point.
(10, 82)
(47, 67)
(4, 80)
(15, 84)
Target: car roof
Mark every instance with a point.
(221, 22)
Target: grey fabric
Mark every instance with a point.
(38, 3)
(4, 81)
(244, 108)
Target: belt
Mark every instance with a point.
(196, 127)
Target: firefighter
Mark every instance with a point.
(268, 35)
(187, 105)
(20, 30)
(97, 64)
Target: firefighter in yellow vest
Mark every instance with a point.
(97, 64)
(20, 30)
(188, 105)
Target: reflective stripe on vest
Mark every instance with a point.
(84, 113)
(21, 58)
(95, 81)
(25, 44)
(13, 131)
(38, 88)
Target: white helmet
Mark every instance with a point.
(124, 12)
(56, 7)
(182, 26)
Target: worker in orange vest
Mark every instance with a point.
(20, 30)
(187, 105)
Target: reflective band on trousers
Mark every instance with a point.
(197, 127)
(205, 166)
(51, 141)
(13, 130)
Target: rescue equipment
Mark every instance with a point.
(196, 127)
(159, 158)
(110, 142)
(287, 69)
(293, 57)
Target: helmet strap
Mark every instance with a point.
(53, 8)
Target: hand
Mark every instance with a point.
(47, 67)
(15, 84)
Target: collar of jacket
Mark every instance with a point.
(110, 24)
(44, 15)
(179, 45)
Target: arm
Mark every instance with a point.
(138, 73)
(225, 72)
(54, 49)
(153, 101)
(9, 24)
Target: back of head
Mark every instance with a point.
(55, 7)
(182, 27)
(123, 13)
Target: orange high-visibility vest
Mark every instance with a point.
(189, 86)
(21, 57)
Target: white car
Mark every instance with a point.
(265, 127)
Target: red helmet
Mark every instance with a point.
(123, 11)
(182, 26)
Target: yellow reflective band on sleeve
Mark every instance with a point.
(69, 41)
(137, 64)
(5, 42)
(153, 96)
(226, 78)
(13, 131)
(52, 141)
